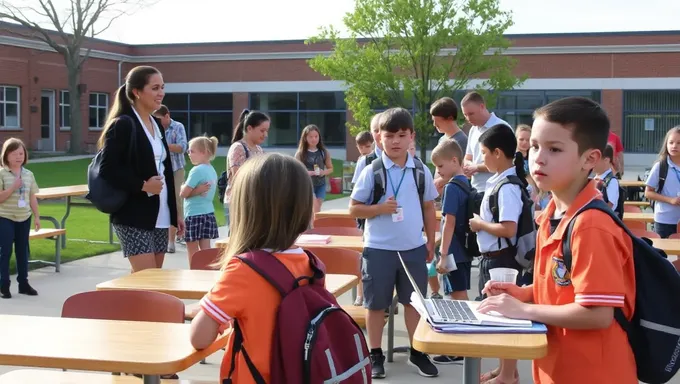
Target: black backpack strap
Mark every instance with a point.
(567, 253)
(493, 201)
(236, 348)
(245, 148)
(371, 158)
(462, 185)
(663, 174)
(419, 178)
(379, 180)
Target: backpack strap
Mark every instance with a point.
(236, 348)
(245, 148)
(370, 158)
(379, 180)
(599, 205)
(493, 201)
(462, 185)
(419, 177)
(663, 173)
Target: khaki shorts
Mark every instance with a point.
(179, 180)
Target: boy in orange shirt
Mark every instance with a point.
(585, 344)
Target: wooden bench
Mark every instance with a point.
(50, 234)
(35, 376)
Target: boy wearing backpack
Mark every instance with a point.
(395, 195)
(365, 160)
(607, 183)
(585, 344)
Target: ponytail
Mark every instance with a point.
(121, 102)
(240, 127)
(247, 119)
(518, 161)
(214, 142)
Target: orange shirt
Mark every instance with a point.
(602, 275)
(242, 294)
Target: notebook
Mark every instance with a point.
(314, 239)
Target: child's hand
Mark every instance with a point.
(389, 206)
(476, 223)
(202, 189)
(180, 227)
(37, 224)
(469, 170)
(17, 183)
(495, 288)
(675, 201)
(440, 265)
(504, 304)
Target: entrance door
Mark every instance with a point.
(47, 123)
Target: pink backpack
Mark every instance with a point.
(315, 340)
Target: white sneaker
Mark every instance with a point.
(171, 247)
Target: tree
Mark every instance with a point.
(72, 27)
(409, 53)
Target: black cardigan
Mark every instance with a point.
(127, 169)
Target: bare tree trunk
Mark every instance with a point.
(75, 110)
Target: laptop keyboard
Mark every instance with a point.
(454, 310)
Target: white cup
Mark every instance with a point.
(504, 275)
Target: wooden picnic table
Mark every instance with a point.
(474, 347)
(670, 246)
(344, 214)
(194, 284)
(642, 204)
(646, 217)
(148, 348)
(632, 183)
(68, 192)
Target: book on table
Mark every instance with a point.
(314, 239)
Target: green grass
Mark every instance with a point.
(85, 223)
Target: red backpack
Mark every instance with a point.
(315, 340)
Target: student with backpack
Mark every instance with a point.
(249, 134)
(366, 160)
(608, 184)
(663, 185)
(577, 297)
(284, 330)
(395, 195)
(314, 155)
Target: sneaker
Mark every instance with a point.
(377, 366)
(171, 247)
(444, 359)
(26, 289)
(436, 295)
(423, 363)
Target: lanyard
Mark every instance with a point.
(21, 188)
(396, 191)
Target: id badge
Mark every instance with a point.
(398, 216)
(21, 203)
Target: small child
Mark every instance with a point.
(607, 182)
(567, 138)
(271, 205)
(17, 202)
(198, 193)
(364, 142)
(667, 207)
(367, 159)
(314, 155)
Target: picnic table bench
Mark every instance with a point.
(35, 376)
(52, 234)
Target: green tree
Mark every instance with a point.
(412, 52)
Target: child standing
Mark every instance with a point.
(17, 203)
(395, 224)
(522, 133)
(313, 154)
(198, 193)
(667, 207)
(282, 190)
(607, 182)
(567, 139)
(364, 142)
(498, 146)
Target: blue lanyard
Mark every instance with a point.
(21, 188)
(396, 191)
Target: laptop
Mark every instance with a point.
(447, 311)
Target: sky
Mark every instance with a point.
(187, 21)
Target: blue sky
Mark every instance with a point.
(182, 21)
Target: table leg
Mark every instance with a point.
(472, 369)
(63, 220)
(110, 231)
(152, 379)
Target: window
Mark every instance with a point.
(176, 101)
(64, 111)
(99, 106)
(9, 107)
(647, 116)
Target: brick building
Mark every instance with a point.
(635, 75)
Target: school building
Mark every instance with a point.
(633, 74)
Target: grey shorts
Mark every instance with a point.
(136, 241)
(381, 272)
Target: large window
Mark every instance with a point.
(648, 115)
(9, 107)
(99, 106)
(291, 112)
(64, 111)
(203, 113)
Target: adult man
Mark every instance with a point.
(176, 136)
(444, 114)
(474, 109)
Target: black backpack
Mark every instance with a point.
(380, 179)
(474, 203)
(622, 195)
(223, 180)
(663, 174)
(526, 226)
(361, 223)
(654, 330)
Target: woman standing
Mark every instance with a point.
(143, 171)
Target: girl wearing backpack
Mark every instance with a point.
(249, 134)
(314, 155)
(663, 185)
(498, 146)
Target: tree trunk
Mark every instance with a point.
(76, 114)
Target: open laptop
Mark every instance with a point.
(446, 311)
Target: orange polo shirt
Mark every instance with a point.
(242, 294)
(602, 275)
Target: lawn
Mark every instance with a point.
(86, 223)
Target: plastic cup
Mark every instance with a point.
(504, 275)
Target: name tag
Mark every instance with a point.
(398, 216)
(21, 203)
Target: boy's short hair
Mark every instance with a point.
(364, 138)
(394, 120)
(445, 107)
(162, 110)
(474, 97)
(447, 149)
(585, 118)
(608, 153)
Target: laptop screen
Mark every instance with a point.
(413, 282)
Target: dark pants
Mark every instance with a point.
(14, 232)
(505, 260)
(664, 230)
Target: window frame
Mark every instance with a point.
(64, 102)
(98, 107)
(3, 110)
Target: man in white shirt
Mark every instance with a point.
(474, 109)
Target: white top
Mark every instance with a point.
(479, 179)
(612, 188)
(159, 155)
(509, 209)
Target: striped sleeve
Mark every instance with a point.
(600, 300)
(214, 311)
(229, 296)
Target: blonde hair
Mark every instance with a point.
(205, 144)
(447, 150)
(375, 122)
(663, 152)
(522, 128)
(10, 145)
(271, 205)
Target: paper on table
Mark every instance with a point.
(314, 239)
